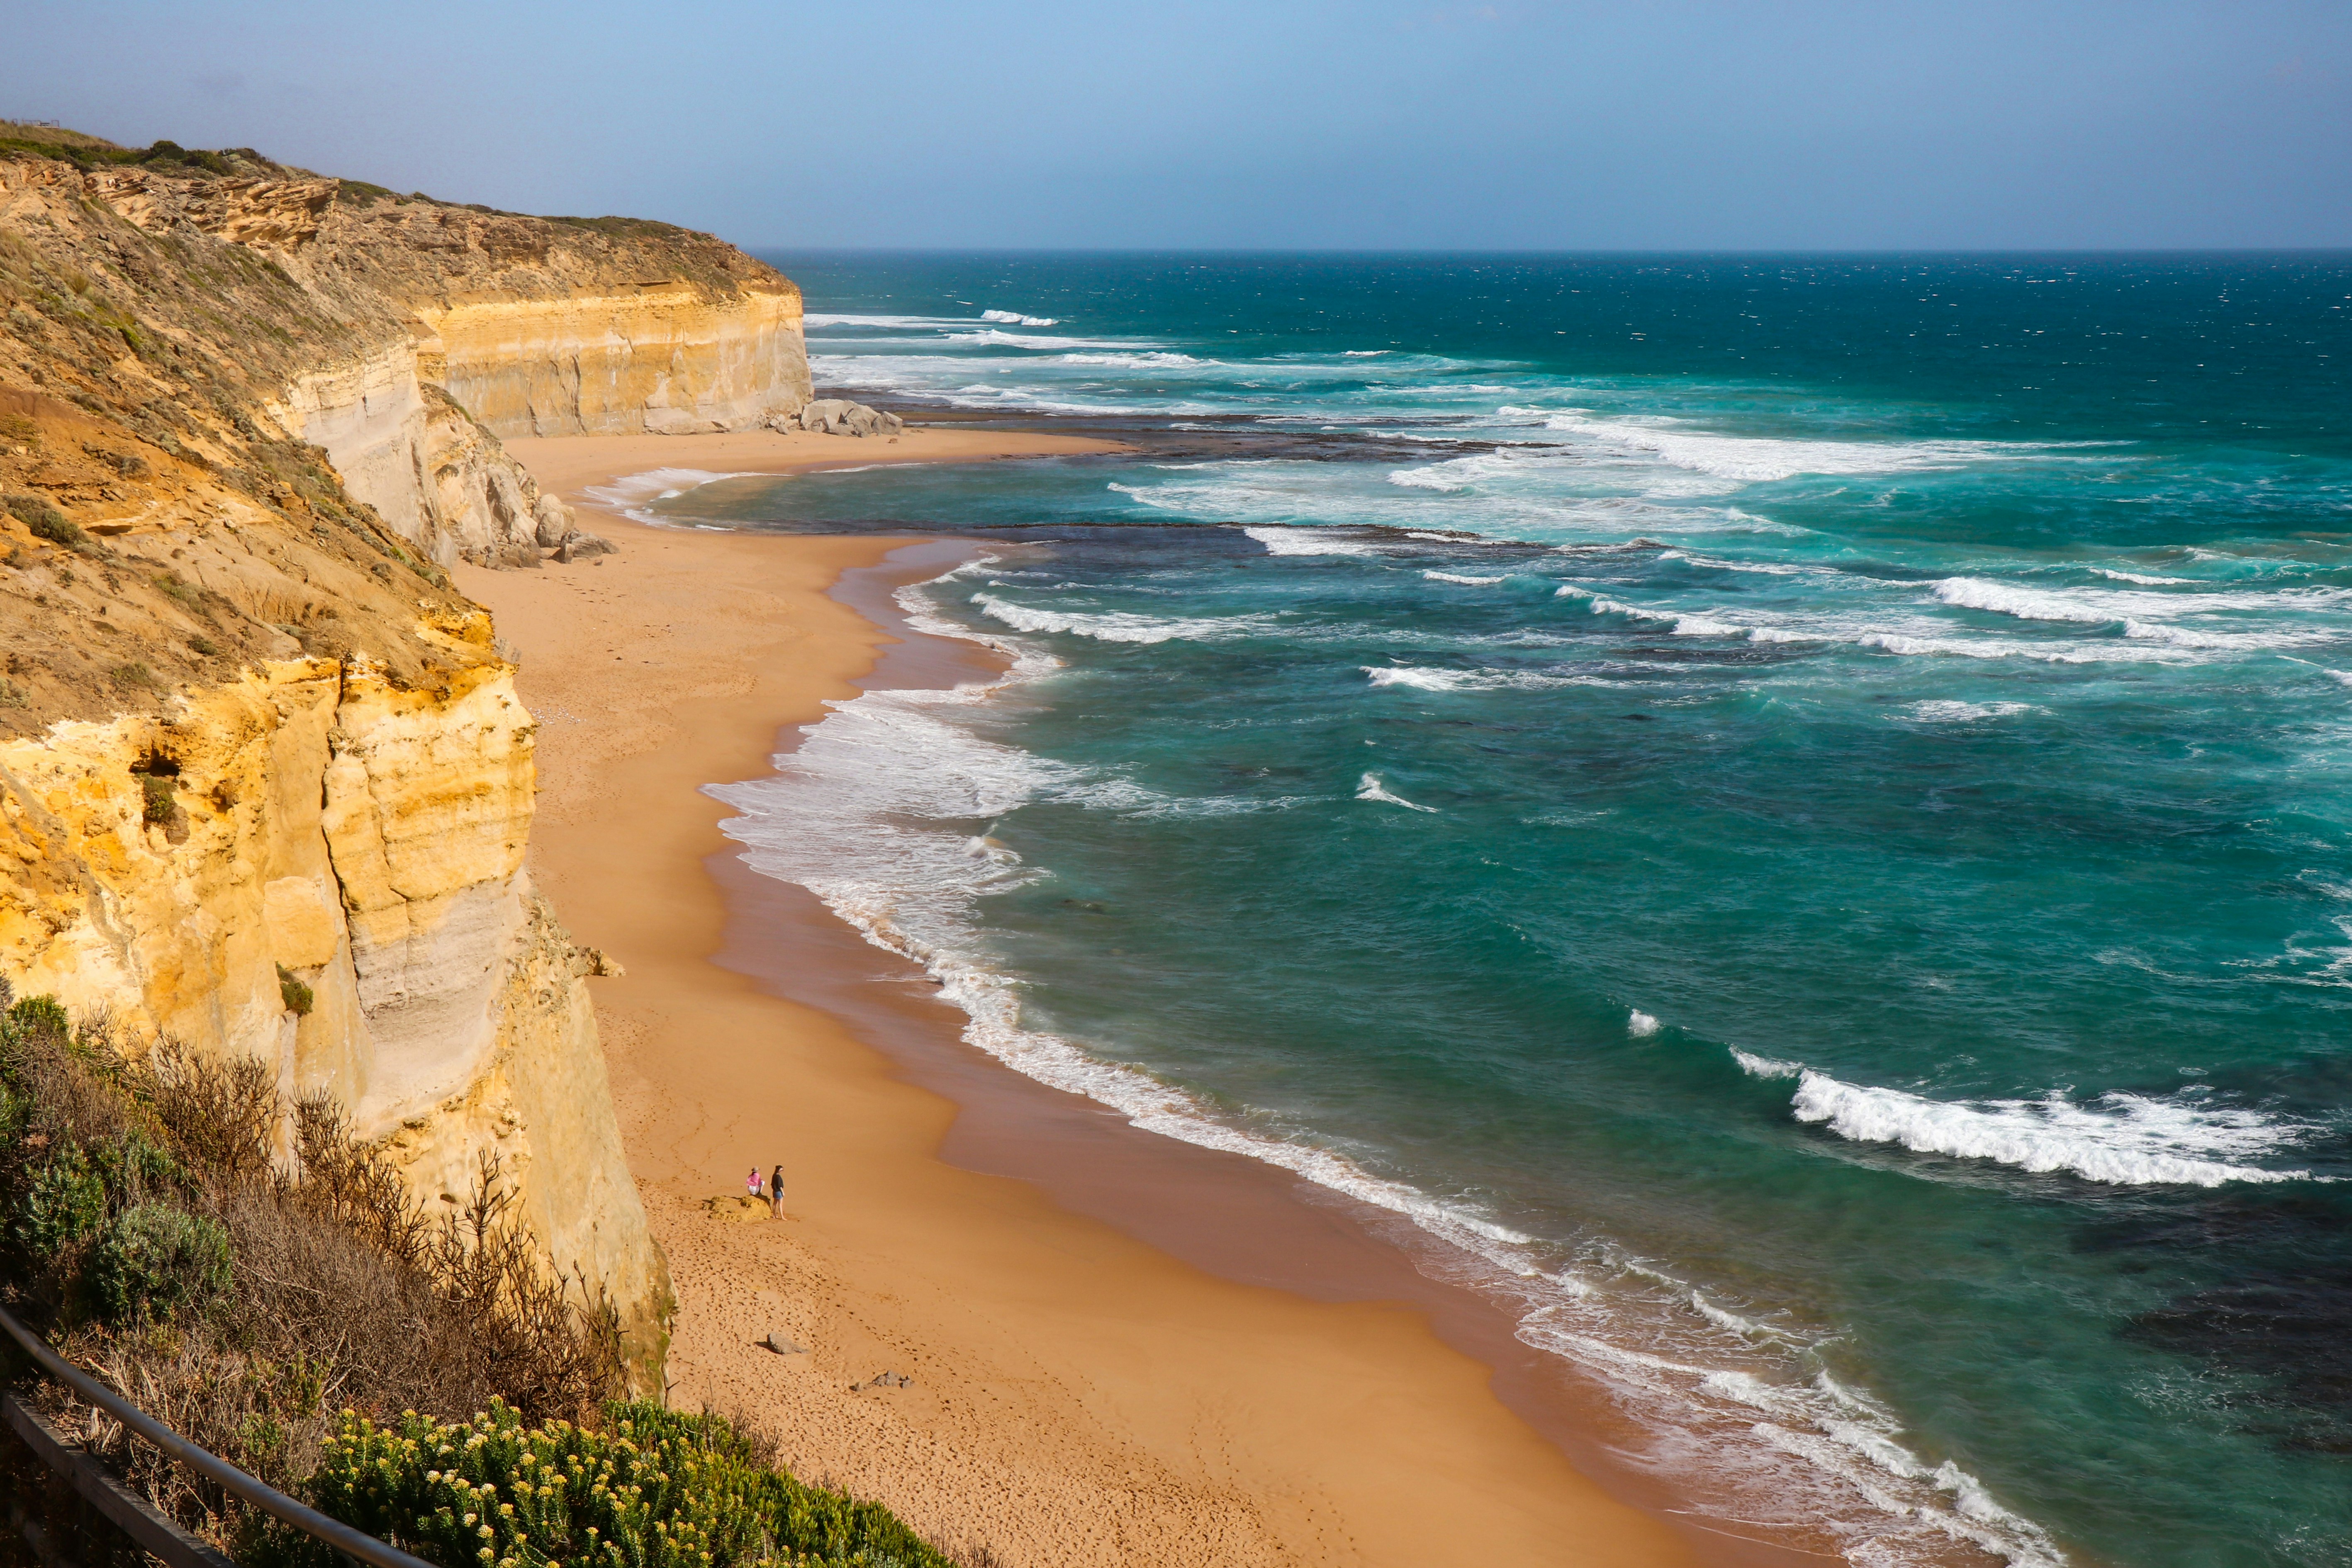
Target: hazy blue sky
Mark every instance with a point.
(1679, 123)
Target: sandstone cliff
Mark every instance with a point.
(412, 329)
(265, 785)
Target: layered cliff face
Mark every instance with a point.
(265, 785)
(421, 325)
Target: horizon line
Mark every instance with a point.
(2343, 250)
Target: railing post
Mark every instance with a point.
(133, 1513)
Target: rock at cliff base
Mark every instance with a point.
(553, 520)
(839, 416)
(577, 545)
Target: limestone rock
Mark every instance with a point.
(839, 416)
(577, 545)
(740, 1209)
(554, 520)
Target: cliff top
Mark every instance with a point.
(411, 250)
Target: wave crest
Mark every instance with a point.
(2119, 1138)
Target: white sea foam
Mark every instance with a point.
(1310, 542)
(2142, 579)
(1368, 788)
(1141, 360)
(1016, 319)
(1460, 473)
(1116, 626)
(2026, 604)
(1765, 1067)
(1705, 627)
(1640, 1025)
(1466, 582)
(1001, 339)
(628, 494)
(1680, 624)
(1748, 459)
(2004, 647)
(1950, 712)
(1423, 678)
(2122, 1139)
(2154, 617)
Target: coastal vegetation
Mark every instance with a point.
(652, 1489)
(242, 1267)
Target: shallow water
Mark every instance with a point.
(1788, 814)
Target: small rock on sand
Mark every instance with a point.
(741, 1210)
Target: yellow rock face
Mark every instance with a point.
(658, 359)
(369, 840)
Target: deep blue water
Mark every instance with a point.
(1789, 814)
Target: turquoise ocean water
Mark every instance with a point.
(1790, 818)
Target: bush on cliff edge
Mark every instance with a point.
(652, 1490)
(241, 1268)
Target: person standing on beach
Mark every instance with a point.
(776, 1193)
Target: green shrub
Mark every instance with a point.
(205, 645)
(657, 1490)
(46, 522)
(299, 998)
(66, 1202)
(68, 1197)
(134, 673)
(159, 803)
(153, 1258)
(40, 1015)
(134, 1167)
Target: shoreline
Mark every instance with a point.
(1126, 1348)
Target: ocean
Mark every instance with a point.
(1788, 818)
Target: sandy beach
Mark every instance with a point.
(1083, 1392)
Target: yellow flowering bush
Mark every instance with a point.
(652, 1490)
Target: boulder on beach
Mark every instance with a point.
(839, 416)
(552, 519)
(739, 1209)
(579, 545)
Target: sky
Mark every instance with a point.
(1224, 124)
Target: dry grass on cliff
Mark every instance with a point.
(337, 1291)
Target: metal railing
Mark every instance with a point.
(334, 1533)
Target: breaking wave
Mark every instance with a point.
(1368, 788)
(1753, 459)
(1115, 626)
(1310, 542)
(2118, 1139)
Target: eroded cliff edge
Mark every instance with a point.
(264, 784)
